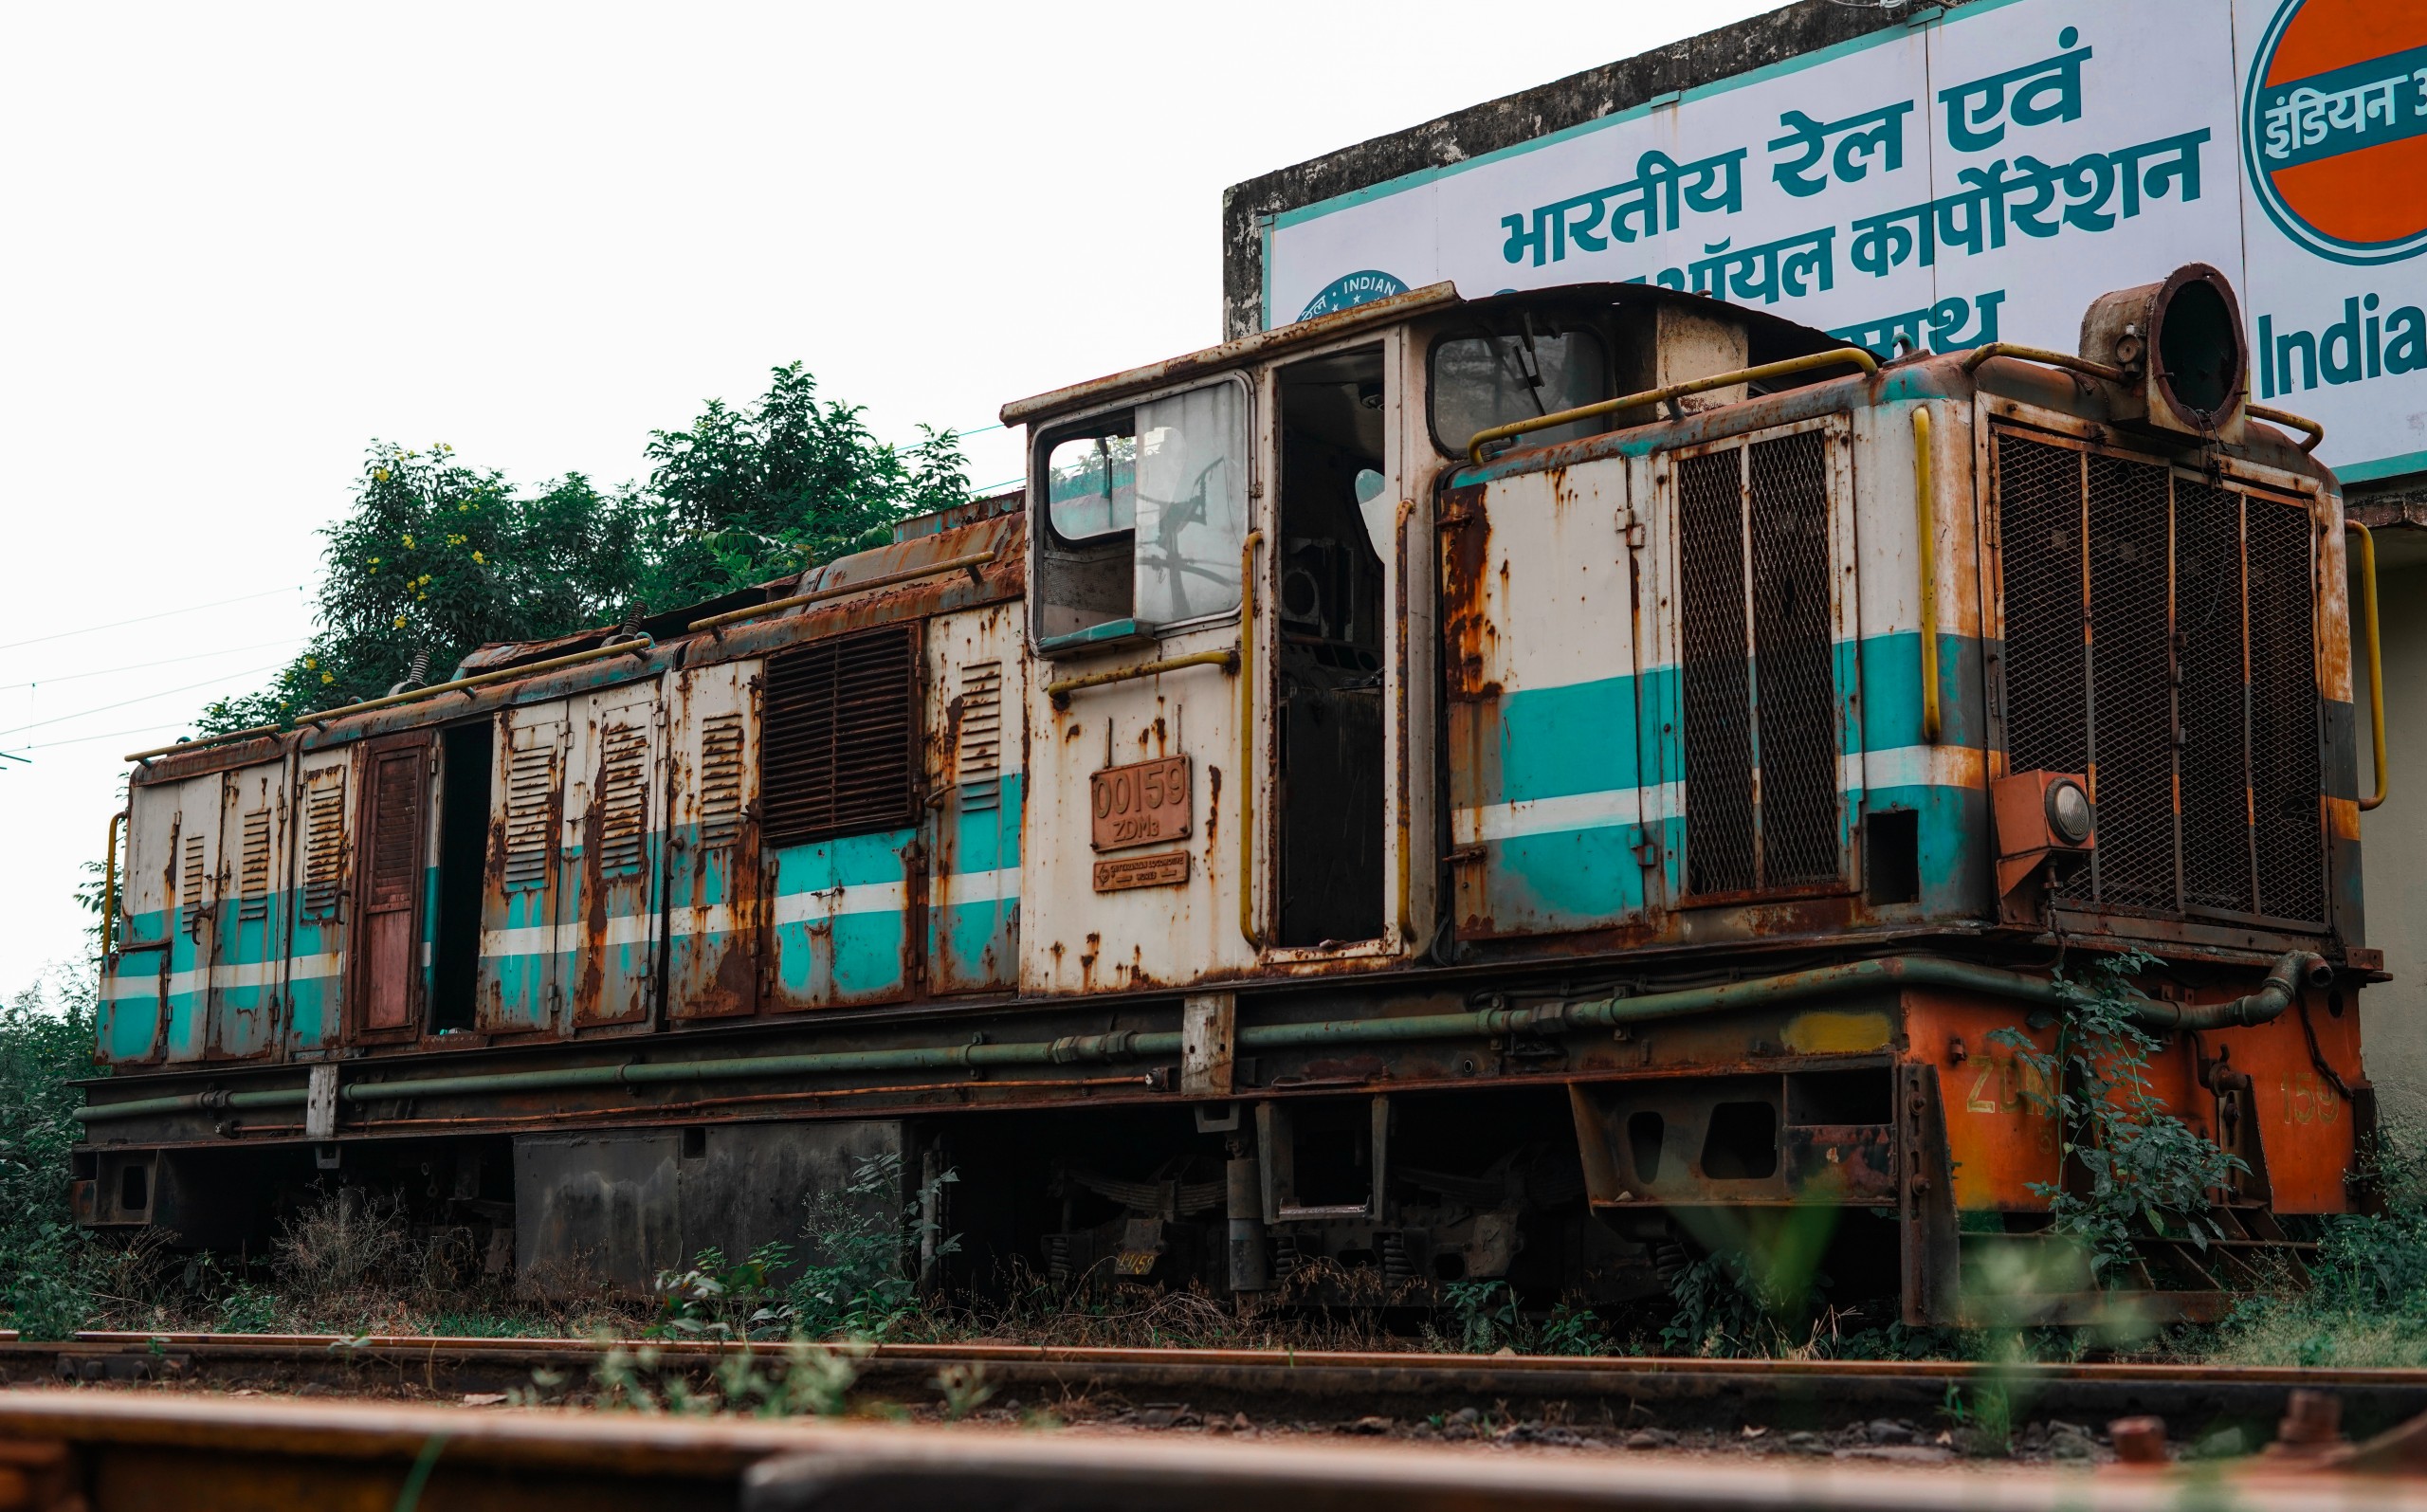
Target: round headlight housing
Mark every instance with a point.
(2068, 813)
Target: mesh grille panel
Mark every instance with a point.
(1795, 685)
(2213, 697)
(2284, 764)
(1718, 733)
(839, 738)
(2131, 691)
(2047, 675)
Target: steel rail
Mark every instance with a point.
(2290, 973)
(2315, 432)
(1229, 659)
(2376, 658)
(1979, 354)
(1247, 550)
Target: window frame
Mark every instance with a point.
(1458, 450)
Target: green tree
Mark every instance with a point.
(437, 557)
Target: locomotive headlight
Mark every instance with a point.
(2069, 811)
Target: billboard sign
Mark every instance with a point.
(1979, 176)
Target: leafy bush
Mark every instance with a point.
(46, 1261)
(855, 1278)
(2364, 1300)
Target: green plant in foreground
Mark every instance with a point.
(2141, 1165)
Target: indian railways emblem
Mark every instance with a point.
(1346, 293)
(2334, 127)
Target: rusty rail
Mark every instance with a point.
(2315, 432)
(2045, 357)
(1838, 356)
(1229, 659)
(109, 885)
(972, 562)
(2376, 658)
(1247, 550)
(1926, 544)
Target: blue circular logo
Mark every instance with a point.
(1347, 293)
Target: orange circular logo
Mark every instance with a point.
(2334, 127)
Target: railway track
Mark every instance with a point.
(1606, 1395)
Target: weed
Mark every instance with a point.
(1486, 1313)
(716, 1300)
(964, 1388)
(854, 1279)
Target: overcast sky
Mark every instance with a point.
(239, 243)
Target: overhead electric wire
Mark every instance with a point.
(162, 661)
(143, 619)
(103, 708)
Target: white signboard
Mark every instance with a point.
(1980, 176)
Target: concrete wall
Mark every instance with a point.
(2393, 838)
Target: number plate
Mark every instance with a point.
(1141, 804)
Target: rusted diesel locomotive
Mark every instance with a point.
(1537, 787)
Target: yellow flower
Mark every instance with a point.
(462, 508)
(400, 622)
(380, 473)
(418, 598)
(409, 543)
(478, 558)
(311, 663)
(424, 578)
(328, 677)
(374, 561)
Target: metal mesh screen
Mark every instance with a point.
(840, 737)
(2131, 692)
(2287, 810)
(1713, 676)
(1793, 680)
(2047, 670)
(2213, 697)
(2173, 661)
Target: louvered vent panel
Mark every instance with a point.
(2132, 702)
(623, 799)
(2287, 808)
(396, 830)
(836, 754)
(252, 872)
(1714, 685)
(2047, 666)
(2212, 698)
(2187, 688)
(190, 880)
(719, 780)
(530, 814)
(1794, 677)
(324, 847)
(978, 763)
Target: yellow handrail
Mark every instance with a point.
(1926, 524)
(1979, 354)
(1247, 735)
(109, 887)
(973, 562)
(2376, 658)
(2286, 417)
(1228, 659)
(1855, 356)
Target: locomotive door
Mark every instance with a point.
(133, 985)
(249, 949)
(194, 915)
(606, 916)
(1553, 817)
(321, 863)
(394, 821)
(712, 872)
(975, 776)
(518, 974)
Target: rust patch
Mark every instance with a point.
(1465, 553)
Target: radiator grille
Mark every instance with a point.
(623, 798)
(324, 843)
(719, 780)
(252, 872)
(191, 877)
(1760, 709)
(396, 789)
(838, 746)
(530, 811)
(978, 763)
(1715, 683)
(2172, 660)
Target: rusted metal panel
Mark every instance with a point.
(520, 980)
(326, 797)
(248, 967)
(713, 872)
(977, 781)
(394, 825)
(134, 1007)
(1143, 802)
(608, 921)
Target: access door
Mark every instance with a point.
(519, 962)
(394, 821)
(614, 836)
(248, 952)
(322, 868)
(712, 870)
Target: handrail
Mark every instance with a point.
(637, 646)
(1247, 549)
(1675, 391)
(2376, 658)
(1927, 529)
(225, 737)
(109, 887)
(1228, 658)
(2286, 417)
(973, 562)
(1979, 354)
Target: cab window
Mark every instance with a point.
(1481, 380)
(1145, 513)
